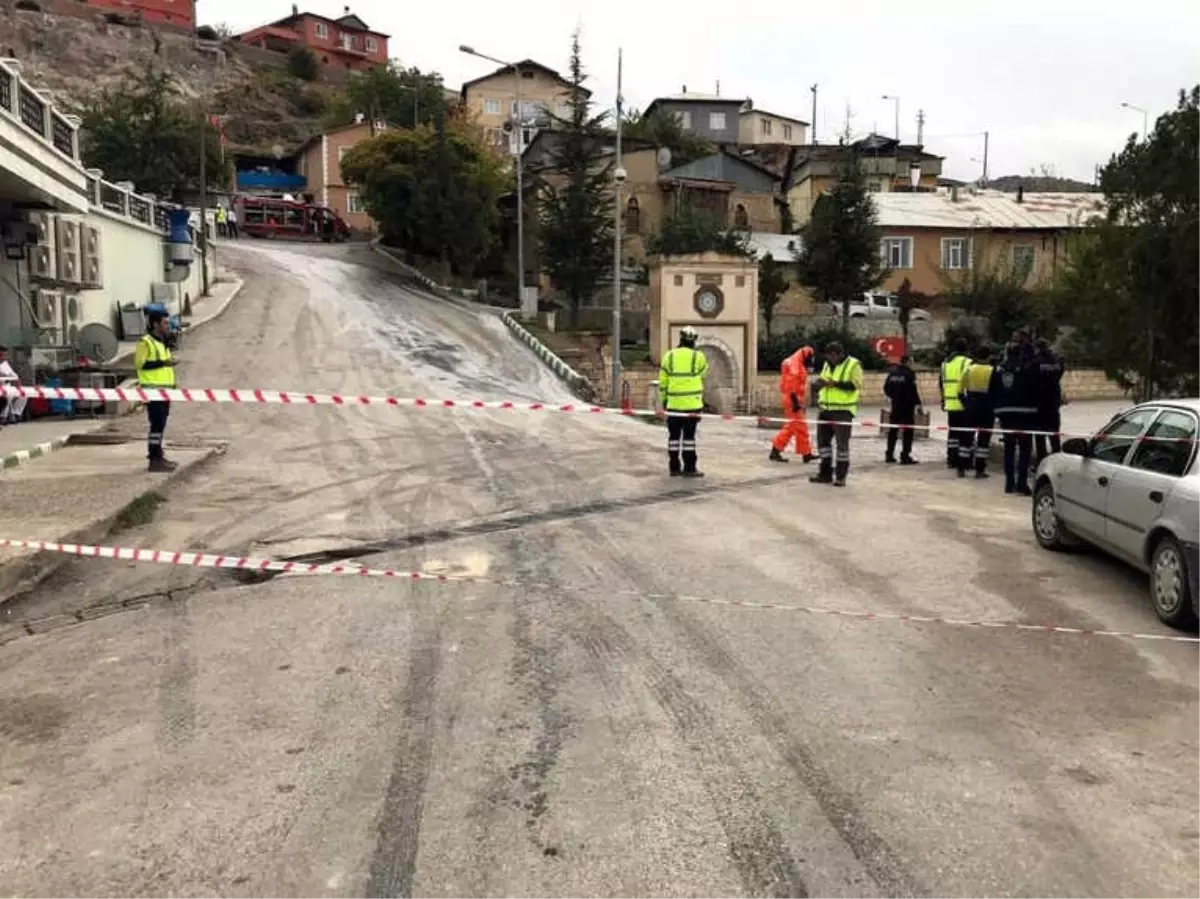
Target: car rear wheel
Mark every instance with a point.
(1170, 588)
(1047, 527)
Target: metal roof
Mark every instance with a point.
(986, 209)
(782, 247)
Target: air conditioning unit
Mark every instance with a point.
(91, 240)
(68, 234)
(72, 319)
(43, 263)
(46, 308)
(47, 228)
(70, 265)
(92, 275)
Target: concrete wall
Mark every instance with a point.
(698, 111)
(321, 166)
(538, 88)
(758, 127)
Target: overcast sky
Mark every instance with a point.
(1045, 78)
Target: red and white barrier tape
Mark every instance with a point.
(240, 563)
(288, 398)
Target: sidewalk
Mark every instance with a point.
(77, 495)
(204, 310)
(31, 439)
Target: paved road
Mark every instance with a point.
(347, 737)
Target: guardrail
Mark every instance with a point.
(33, 108)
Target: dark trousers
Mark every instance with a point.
(156, 415)
(1048, 420)
(1018, 448)
(977, 439)
(957, 434)
(833, 427)
(901, 416)
(681, 442)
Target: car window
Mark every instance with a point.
(1168, 446)
(1113, 442)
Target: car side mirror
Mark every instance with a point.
(1077, 446)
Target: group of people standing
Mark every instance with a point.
(226, 221)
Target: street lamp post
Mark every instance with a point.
(896, 102)
(518, 126)
(1145, 118)
(618, 178)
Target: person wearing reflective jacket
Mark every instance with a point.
(156, 368)
(840, 383)
(1013, 395)
(977, 399)
(950, 382)
(793, 386)
(681, 388)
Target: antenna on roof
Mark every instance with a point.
(718, 87)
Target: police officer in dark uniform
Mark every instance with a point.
(900, 387)
(1013, 395)
(1050, 367)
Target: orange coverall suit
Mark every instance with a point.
(794, 382)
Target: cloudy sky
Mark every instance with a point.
(1045, 79)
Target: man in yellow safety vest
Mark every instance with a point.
(681, 387)
(950, 381)
(156, 368)
(839, 386)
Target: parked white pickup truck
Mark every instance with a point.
(878, 305)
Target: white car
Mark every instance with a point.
(879, 305)
(1133, 490)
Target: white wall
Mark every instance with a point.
(12, 319)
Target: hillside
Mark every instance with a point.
(78, 56)
(1041, 184)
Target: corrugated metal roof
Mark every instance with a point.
(782, 247)
(986, 209)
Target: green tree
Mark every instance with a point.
(908, 300)
(998, 294)
(434, 192)
(303, 64)
(1132, 285)
(576, 215)
(402, 97)
(692, 229)
(772, 285)
(839, 256)
(664, 129)
(142, 131)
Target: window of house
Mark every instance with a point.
(347, 41)
(354, 204)
(740, 219)
(322, 30)
(563, 110)
(494, 137)
(716, 121)
(896, 252)
(342, 153)
(372, 45)
(679, 280)
(956, 253)
(1168, 446)
(633, 217)
(787, 132)
(739, 281)
(766, 126)
(1023, 258)
(491, 107)
(685, 120)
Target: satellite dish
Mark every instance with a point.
(664, 158)
(97, 342)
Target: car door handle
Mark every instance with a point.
(1156, 496)
(1102, 481)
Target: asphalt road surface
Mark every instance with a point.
(350, 736)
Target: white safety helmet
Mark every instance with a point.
(687, 334)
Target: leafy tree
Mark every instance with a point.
(773, 350)
(839, 255)
(577, 214)
(997, 294)
(303, 64)
(1132, 285)
(690, 229)
(399, 96)
(433, 191)
(142, 131)
(664, 129)
(907, 300)
(772, 285)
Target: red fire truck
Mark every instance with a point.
(271, 217)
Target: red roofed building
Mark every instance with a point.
(171, 12)
(346, 42)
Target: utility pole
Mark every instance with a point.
(618, 178)
(812, 134)
(985, 159)
(896, 103)
(204, 201)
(920, 127)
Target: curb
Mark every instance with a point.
(568, 375)
(21, 576)
(440, 290)
(238, 284)
(20, 457)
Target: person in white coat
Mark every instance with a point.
(12, 408)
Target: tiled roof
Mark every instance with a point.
(986, 209)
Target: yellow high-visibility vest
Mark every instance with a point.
(977, 378)
(151, 349)
(681, 380)
(952, 374)
(835, 399)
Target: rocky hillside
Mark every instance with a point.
(76, 56)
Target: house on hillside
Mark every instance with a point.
(158, 12)
(937, 239)
(491, 100)
(709, 116)
(319, 163)
(346, 42)
(757, 127)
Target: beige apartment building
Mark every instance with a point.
(491, 101)
(320, 162)
(757, 127)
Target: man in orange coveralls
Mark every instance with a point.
(793, 389)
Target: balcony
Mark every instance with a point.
(39, 147)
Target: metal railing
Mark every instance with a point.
(33, 109)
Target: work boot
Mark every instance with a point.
(776, 456)
(162, 466)
(824, 474)
(693, 474)
(962, 472)
(1023, 489)
(808, 457)
(981, 475)
(889, 459)
(839, 480)
(907, 460)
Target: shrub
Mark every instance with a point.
(771, 353)
(937, 355)
(303, 64)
